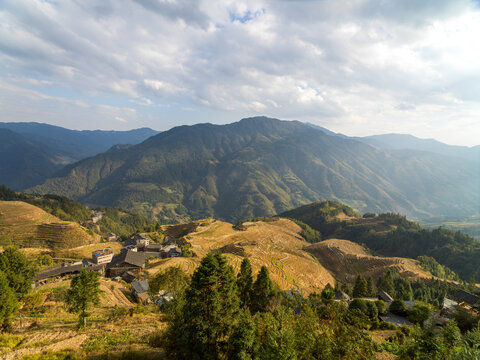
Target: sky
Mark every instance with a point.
(359, 67)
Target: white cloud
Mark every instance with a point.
(353, 65)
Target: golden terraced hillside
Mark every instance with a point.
(26, 225)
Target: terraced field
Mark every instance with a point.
(276, 245)
(26, 225)
(346, 259)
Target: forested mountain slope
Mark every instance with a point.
(261, 166)
(393, 235)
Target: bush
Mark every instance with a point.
(381, 307)
(398, 307)
(360, 305)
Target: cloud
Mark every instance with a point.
(354, 65)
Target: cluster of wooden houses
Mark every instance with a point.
(124, 266)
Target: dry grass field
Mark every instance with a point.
(52, 329)
(346, 259)
(29, 226)
(276, 244)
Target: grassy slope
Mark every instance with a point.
(292, 262)
(29, 226)
(346, 260)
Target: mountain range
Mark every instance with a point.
(31, 152)
(262, 166)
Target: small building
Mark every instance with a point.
(112, 237)
(449, 306)
(103, 256)
(138, 240)
(395, 319)
(382, 295)
(172, 251)
(127, 261)
(96, 217)
(140, 291)
(129, 277)
(128, 248)
(164, 298)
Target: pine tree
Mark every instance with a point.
(242, 340)
(360, 288)
(328, 292)
(202, 328)
(370, 288)
(84, 291)
(245, 282)
(262, 291)
(8, 302)
(387, 284)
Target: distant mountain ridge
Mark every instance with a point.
(31, 152)
(77, 144)
(23, 162)
(261, 166)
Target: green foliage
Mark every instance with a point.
(172, 279)
(419, 314)
(262, 291)
(360, 288)
(84, 291)
(45, 260)
(398, 307)
(207, 318)
(125, 223)
(370, 287)
(432, 266)
(8, 302)
(451, 334)
(9, 342)
(242, 340)
(381, 307)
(245, 283)
(359, 304)
(328, 293)
(32, 301)
(18, 269)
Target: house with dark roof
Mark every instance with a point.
(140, 289)
(465, 299)
(382, 295)
(129, 277)
(127, 261)
(65, 270)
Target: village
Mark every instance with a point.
(459, 300)
(126, 266)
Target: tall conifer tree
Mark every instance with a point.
(262, 291)
(245, 282)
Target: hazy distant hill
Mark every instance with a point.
(76, 144)
(23, 162)
(261, 166)
(403, 141)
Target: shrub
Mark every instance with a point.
(398, 307)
